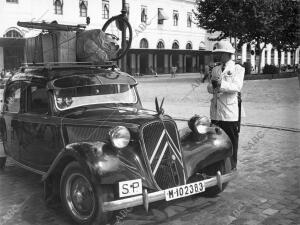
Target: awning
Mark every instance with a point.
(162, 15)
(12, 42)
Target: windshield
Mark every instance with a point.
(70, 97)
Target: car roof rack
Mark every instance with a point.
(55, 65)
(53, 26)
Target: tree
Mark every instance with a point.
(249, 21)
(285, 36)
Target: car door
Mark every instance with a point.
(9, 121)
(40, 142)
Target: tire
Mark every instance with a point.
(123, 20)
(82, 199)
(2, 162)
(224, 167)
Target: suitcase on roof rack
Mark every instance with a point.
(58, 46)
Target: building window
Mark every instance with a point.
(189, 19)
(12, 1)
(144, 14)
(175, 17)
(189, 46)
(144, 43)
(160, 16)
(58, 7)
(202, 46)
(83, 8)
(175, 45)
(127, 9)
(13, 34)
(105, 9)
(160, 45)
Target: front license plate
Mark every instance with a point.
(184, 190)
(130, 187)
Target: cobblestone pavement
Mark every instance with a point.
(266, 191)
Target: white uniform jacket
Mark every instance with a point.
(224, 104)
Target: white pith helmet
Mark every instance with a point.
(223, 46)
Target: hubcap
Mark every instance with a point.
(80, 196)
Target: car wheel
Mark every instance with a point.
(2, 162)
(81, 198)
(224, 167)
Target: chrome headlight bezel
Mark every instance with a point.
(119, 137)
(199, 124)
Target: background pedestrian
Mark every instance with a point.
(153, 72)
(173, 71)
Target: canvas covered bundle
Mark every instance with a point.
(68, 46)
(96, 46)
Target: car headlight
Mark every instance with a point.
(119, 136)
(199, 124)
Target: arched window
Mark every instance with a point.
(202, 45)
(58, 7)
(83, 8)
(175, 45)
(189, 45)
(144, 43)
(13, 33)
(160, 45)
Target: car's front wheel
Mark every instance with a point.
(81, 199)
(224, 167)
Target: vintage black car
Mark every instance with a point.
(84, 129)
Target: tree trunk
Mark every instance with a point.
(279, 59)
(260, 50)
(295, 60)
(259, 61)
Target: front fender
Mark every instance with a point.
(104, 163)
(199, 151)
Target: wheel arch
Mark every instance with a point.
(86, 154)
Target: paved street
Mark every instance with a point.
(267, 190)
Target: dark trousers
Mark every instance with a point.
(231, 129)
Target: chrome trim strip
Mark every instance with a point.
(27, 167)
(175, 150)
(157, 146)
(179, 160)
(160, 158)
(160, 195)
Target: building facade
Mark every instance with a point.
(164, 34)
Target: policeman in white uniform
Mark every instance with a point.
(226, 83)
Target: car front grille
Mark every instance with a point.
(163, 152)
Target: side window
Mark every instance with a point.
(12, 98)
(37, 99)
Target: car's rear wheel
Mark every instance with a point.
(81, 199)
(2, 162)
(224, 167)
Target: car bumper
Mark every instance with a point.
(147, 198)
